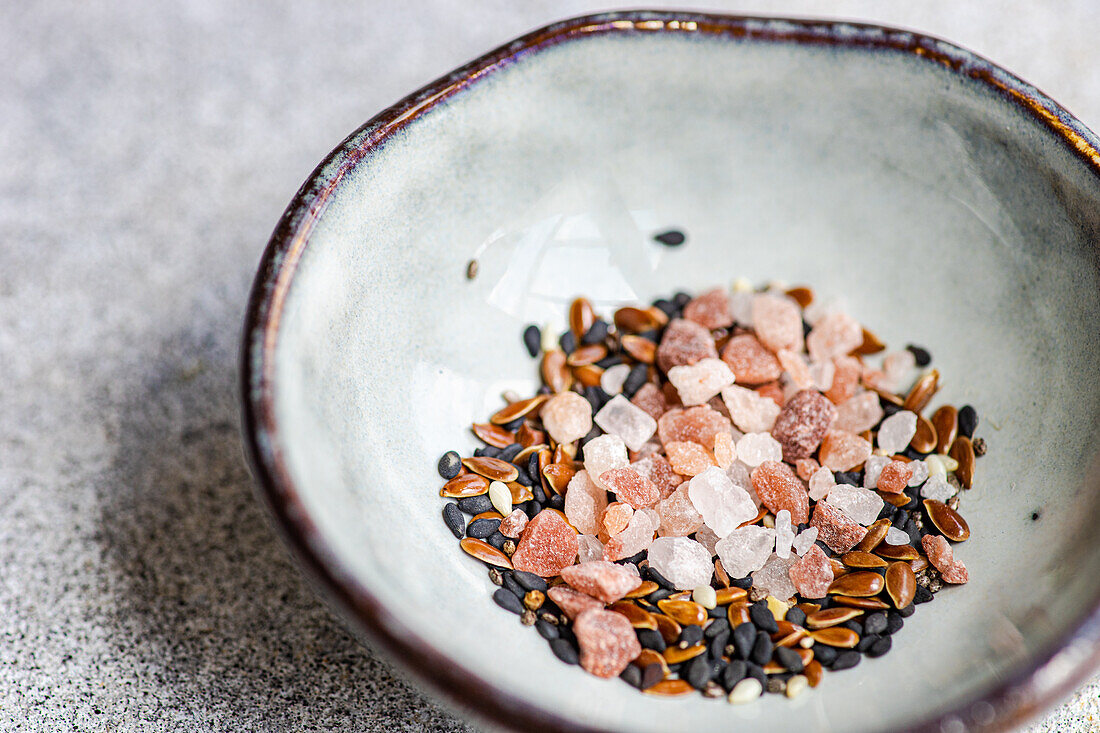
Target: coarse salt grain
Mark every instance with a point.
(896, 431)
(745, 550)
(755, 448)
(722, 504)
(700, 381)
(804, 541)
(603, 454)
(611, 381)
(584, 503)
(629, 422)
(682, 561)
(820, 483)
(895, 536)
(567, 417)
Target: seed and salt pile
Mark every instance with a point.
(727, 493)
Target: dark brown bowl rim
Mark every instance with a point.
(1046, 678)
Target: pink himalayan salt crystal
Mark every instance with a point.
(802, 424)
(572, 603)
(698, 382)
(820, 483)
(679, 517)
(584, 503)
(567, 417)
(631, 487)
(835, 528)
(779, 488)
(812, 574)
(822, 372)
(836, 334)
(697, 424)
(805, 468)
(894, 477)
(725, 453)
(845, 379)
(777, 321)
(512, 525)
(710, 310)
(589, 548)
(651, 400)
(607, 642)
(649, 448)
(548, 544)
(631, 423)
(793, 363)
(636, 537)
(858, 413)
(657, 469)
(750, 411)
(942, 556)
(843, 451)
(683, 343)
(752, 364)
(616, 518)
(682, 561)
(604, 581)
(603, 454)
(688, 459)
(775, 577)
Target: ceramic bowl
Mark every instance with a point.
(947, 202)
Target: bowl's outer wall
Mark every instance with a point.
(937, 203)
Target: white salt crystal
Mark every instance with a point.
(682, 561)
(589, 548)
(822, 372)
(858, 503)
(739, 474)
(723, 505)
(700, 381)
(804, 541)
(750, 411)
(744, 550)
(611, 381)
(858, 413)
(895, 536)
(631, 423)
(896, 431)
(784, 534)
(755, 448)
(920, 473)
(872, 469)
(603, 454)
(774, 578)
(821, 482)
(706, 537)
(937, 488)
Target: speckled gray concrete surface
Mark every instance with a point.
(147, 150)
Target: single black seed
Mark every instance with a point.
(968, 421)
(564, 651)
(596, 333)
(756, 671)
(887, 512)
(796, 616)
(846, 660)
(515, 424)
(762, 616)
(453, 519)
(880, 647)
(681, 299)
(854, 625)
(659, 595)
(825, 654)
(476, 504)
(631, 676)
(450, 463)
(923, 595)
(743, 636)
(717, 628)
(609, 361)
(497, 540)
(907, 611)
(566, 633)
(546, 629)
(717, 644)
(602, 398)
(734, 672)
(1035, 515)
(508, 601)
(529, 581)
(867, 642)
(894, 622)
(826, 602)
(656, 577)
(914, 533)
(533, 465)
(717, 612)
(789, 659)
(921, 355)
(651, 639)
(568, 342)
(633, 559)
(742, 583)
(507, 454)
(511, 584)
(557, 501)
(848, 477)
(889, 408)
(479, 529)
(876, 623)
(537, 494)
(488, 451)
(651, 675)
(524, 479)
(666, 306)
(697, 673)
(691, 635)
(531, 508)
(762, 648)
(532, 339)
(671, 238)
(653, 335)
(634, 381)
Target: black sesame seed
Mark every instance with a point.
(889, 408)
(497, 540)
(557, 501)
(671, 238)
(743, 636)
(907, 611)
(848, 477)
(508, 601)
(659, 579)
(531, 508)
(532, 339)
(507, 454)
(762, 616)
(524, 479)
(734, 672)
(826, 602)
(537, 494)
(596, 333)
(452, 517)
(568, 342)
(450, 463)
(880, 647)
(825, 654)
(876, 623)
(514, 425)
(487, 451)
(923, 595)
(529, 581)
(789, 659)
(476, 504)
(762, 648)
(756, 672)
(866, 642)
(854, 625)
(631, 676)
(698, 672)
(601, 397)
(914, 533)
(887, 512)
(894, 622)
(796, 616)
(666, 306)
(716, 629)
(634, 381)
(651, 639)
(609, 361)
(921, 355)
(1035, 515)
(511, 584)
(846, 660)
(968, 421)
(691, 635)
(651, 675)
(479, 529)
(546, 629)
(742, 583)
(564, 651)
(681, 299)
(717, 612)
(653, 335)
(717, 644)
(660, 594)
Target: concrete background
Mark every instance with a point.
(147, 150)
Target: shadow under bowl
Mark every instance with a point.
(945, 201)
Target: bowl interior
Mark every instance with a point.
(936, 209)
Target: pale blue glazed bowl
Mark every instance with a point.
(946, 201)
